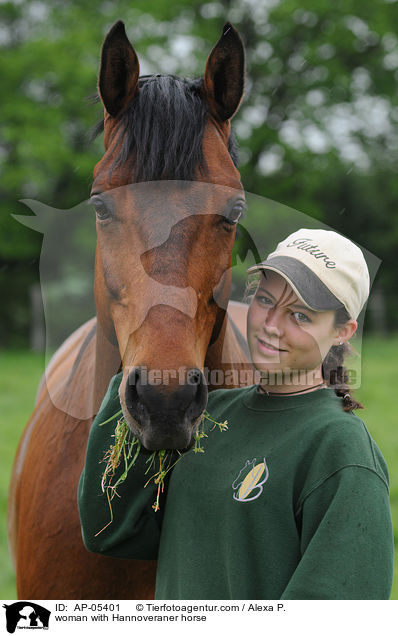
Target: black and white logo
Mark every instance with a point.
(26, 615)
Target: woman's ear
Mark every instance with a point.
(345, 332)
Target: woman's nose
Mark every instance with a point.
(272, 322)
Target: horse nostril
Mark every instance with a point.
(194, 376)
(196, 379)
(148, 401)
(131, 392)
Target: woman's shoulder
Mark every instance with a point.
(339, 426)
(343, 439)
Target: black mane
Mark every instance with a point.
(162, 129)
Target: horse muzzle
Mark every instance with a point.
(164, 416)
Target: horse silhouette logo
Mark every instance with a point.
(248, 481)
(26, 615)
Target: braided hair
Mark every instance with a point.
(333, 370)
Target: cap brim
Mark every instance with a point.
(308, 287)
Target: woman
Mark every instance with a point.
(292, 501)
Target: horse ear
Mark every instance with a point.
(225, 74)
(119, 70)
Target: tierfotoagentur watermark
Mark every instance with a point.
(234, 377)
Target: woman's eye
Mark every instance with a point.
(236, 212)
(264, 300)
(300, 317)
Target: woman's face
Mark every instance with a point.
(283, 334)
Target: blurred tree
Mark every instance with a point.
(317, 128)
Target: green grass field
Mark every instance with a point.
(20, 373)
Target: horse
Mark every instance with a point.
(162, 303)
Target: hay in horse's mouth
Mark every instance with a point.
(127, 446)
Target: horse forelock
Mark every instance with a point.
(160, 133)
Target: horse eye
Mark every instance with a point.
(101, 211)
(236, 212)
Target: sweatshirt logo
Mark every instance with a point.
(247, 485)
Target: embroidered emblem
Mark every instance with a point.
(250, 483)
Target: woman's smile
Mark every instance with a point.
(267, 348)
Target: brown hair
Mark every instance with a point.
(333, 370)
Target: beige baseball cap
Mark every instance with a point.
(325, 269)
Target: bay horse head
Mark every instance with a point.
(168, 197)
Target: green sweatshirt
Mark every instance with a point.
(291, 502)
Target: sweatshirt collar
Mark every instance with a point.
(262, 402)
